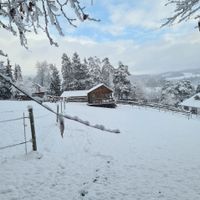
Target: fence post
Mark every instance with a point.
(61, 106)
(34, 144)
(24, 123)
(57, 113)
(64, 104)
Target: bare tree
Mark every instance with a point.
(22, 16)
(184, 10)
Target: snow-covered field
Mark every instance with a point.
(156, 155)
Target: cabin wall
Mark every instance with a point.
(99, 94)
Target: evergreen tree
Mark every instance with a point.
(86, 82)
(67, 73)
(17, 73)
(174, 93)
(80, 71)
(5, 87)
(122, 86)
(17, 79)
(55, 82)
(198, 88)
(94, 65)
(107, 72)
(43, 74)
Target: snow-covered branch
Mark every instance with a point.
(22, 16)
(2, 53)
(184, 10)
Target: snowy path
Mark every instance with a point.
(155, 157)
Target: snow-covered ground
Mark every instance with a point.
(156, 155)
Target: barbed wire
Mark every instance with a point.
(13, 145)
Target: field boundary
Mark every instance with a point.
(156, 106)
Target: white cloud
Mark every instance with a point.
(169, 53)
(177, 49)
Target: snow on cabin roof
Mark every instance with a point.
(97, 86)
(193, 101)
(74, 93)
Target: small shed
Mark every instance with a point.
(192, 104)
(22, 97)
(75, 96)
(101, 95)
(38, 90)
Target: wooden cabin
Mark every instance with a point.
(101, 95)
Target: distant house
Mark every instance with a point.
(38, 90)
(75, 96)
(21, 96)
(100, 95)
(192, 104)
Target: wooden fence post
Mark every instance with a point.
(64, 103)
(57, 113)
(61, 106)
(34, 144)
(25, 133)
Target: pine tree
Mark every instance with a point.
(122, 86)
(107, 72)
(17, 73)
(174, 93)
(18, 80)
(198, 88)
(43, 74)
(67, 72)
(55, 82)
(94, 64)
(80, 71)
(5, 87)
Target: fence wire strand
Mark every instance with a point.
(13, 145)
(10, 120)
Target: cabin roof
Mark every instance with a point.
(192, 101)
(97, 86)
(75, 93)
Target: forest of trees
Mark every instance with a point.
(77, 74)
(6, 90)
(83, 75)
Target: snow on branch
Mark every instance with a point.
(2, 53)
(73, 118)
(22, 16)
(184, 10)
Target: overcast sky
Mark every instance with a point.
(129, 31)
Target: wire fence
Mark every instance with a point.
(23, 118)
(159, 107)
(11, 120)
(13, 145)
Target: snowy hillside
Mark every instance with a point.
(155, 80)
(156, 155)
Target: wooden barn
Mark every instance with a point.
(101, 95)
